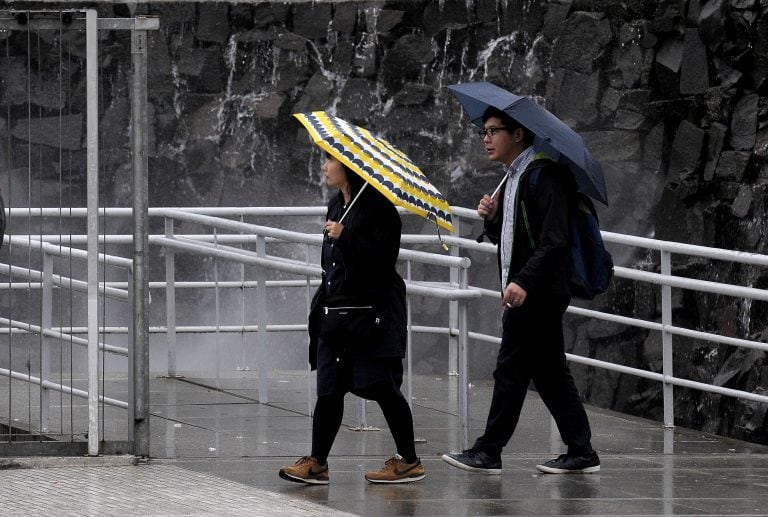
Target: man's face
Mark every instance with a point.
(502, 144)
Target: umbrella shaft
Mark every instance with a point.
(353, 201)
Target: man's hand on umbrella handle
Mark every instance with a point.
(334, 229)
(514, 296)
(487, 207)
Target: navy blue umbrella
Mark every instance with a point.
(553, 136)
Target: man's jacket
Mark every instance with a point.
(540, 254)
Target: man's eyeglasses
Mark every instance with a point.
(489, 131)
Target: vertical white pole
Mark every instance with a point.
(92, 172)
(170, 299)
(453, 310)
(45, 349)
(261, 322)
(409, 337)
(463, 363)
(140, 306)
(310, 398)
(666, 342)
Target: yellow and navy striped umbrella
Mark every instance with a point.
(377, 161)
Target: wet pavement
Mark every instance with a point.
(216, 451)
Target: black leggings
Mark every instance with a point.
(329, 411)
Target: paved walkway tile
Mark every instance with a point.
(144, 490)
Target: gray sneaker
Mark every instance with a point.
(474, 460)
(565, 464)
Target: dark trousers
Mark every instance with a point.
(532, 350)
(329, 410)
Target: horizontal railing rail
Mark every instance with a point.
(220, 244)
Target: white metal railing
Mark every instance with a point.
(46, 281)
(457, 290)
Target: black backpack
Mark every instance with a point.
(591, 264)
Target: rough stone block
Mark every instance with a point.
(213, 22)
(345, 18)
(312, 20)
(267, 14)
(716, 138)
(744, 122)
(613, 146)
(610, 102)
(241, 17)
(743, 202)
(576, 99)
(440, 15)
(694, 69)
(632, 120)
(45, 131)
(685, 157)
(388, 19)
(413, 94)
(726, 75)
(357, 99)
(315, 95)
(760, 55)
(732, 164)
(633, 65)
(711, 27)
(583, 39)
(405, 60)
(667, 67)
(653, 149)
(556, 14)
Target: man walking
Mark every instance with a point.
(529, 222)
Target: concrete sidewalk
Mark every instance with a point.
(216, 451)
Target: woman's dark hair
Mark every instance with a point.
(510, 123)
(354, 180)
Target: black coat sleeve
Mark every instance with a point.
(547, 208)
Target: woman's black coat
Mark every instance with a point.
(368, 248)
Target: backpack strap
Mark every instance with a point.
(540, 160)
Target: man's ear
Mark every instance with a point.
(518, 135)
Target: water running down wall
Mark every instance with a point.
(670, 96)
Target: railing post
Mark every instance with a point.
(170, 299)
(92, 189)
(261, 321)
(409, 337)
(45, 342)
(140, 240)
(362, 414)
(310, 399)
(243, 367)
(666, 342)
(453, 308)
(463, 363)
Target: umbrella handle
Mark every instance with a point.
(503, 180)
(353, 201)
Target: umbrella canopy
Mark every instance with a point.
(553, 136)
(380, 164)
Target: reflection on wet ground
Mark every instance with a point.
(646, 470)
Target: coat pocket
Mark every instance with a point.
(344, 320)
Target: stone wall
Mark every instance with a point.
(669, 96)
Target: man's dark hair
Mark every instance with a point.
(510, 123)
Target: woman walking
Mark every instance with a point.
(359, 255)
